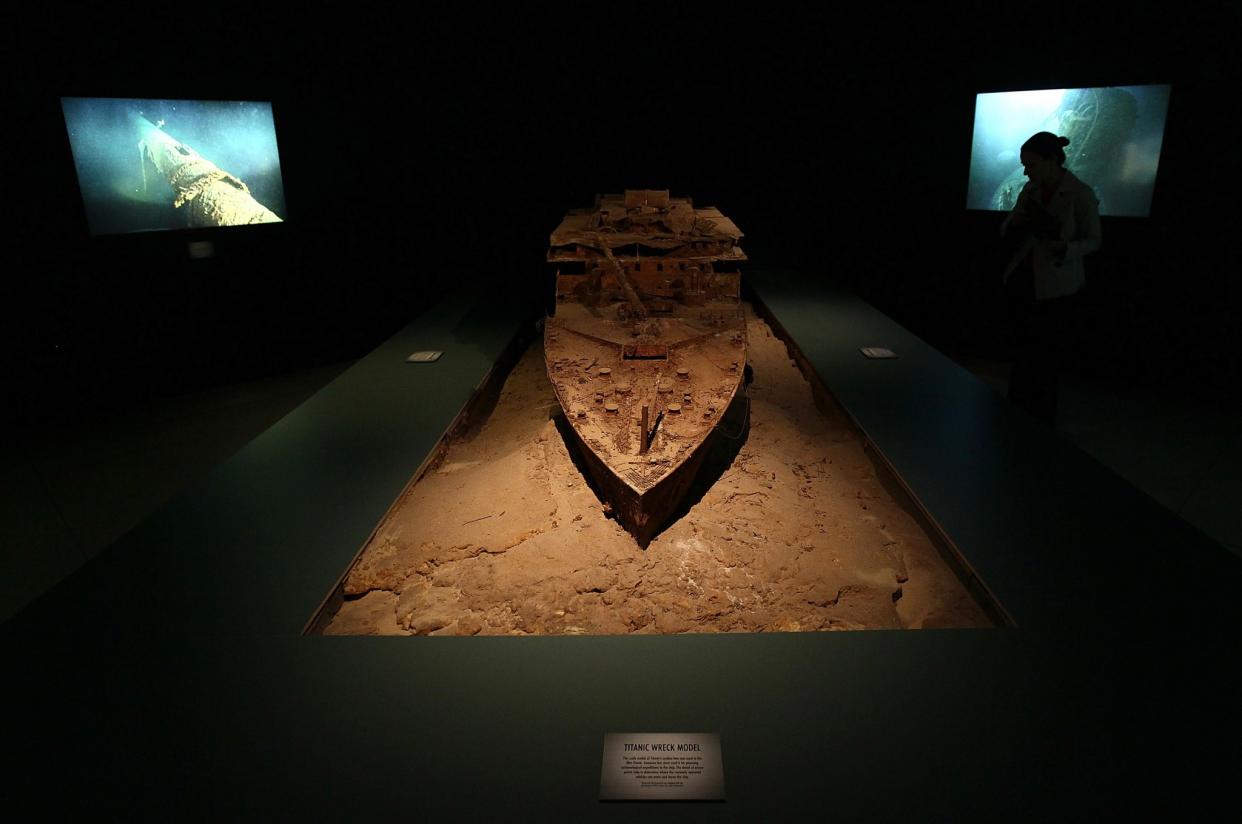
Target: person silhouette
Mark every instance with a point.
(1056, 222)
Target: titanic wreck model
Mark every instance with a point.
(647, 347)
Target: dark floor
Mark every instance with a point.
(1182, 450)
(71, 490)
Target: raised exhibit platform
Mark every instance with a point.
(170, 674)
(789, 527)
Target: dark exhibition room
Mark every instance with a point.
(529, 412)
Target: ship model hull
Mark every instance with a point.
(647, 349)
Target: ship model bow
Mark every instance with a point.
(646, 350)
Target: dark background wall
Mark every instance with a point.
(421, 151)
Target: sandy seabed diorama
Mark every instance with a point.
(726, 505)
(505, 536)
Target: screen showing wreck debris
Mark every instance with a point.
(1115, 134)
(151, 165)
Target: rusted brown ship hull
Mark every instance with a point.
(645, 514)
(646, 350)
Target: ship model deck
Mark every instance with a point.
(646, 350)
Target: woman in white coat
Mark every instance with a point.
(1058, 219)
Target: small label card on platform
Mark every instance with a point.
(661, 767)
(878, 352)
(424, 357)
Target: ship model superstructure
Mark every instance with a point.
(646, 350)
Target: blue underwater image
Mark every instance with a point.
(1115, 136)
(150, 165)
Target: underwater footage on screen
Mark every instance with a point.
(152, 165)
(1115, 136)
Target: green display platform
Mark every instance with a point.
(169, 676)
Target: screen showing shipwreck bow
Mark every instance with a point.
(150, 165)
(1115, 134)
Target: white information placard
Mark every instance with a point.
(661, 767)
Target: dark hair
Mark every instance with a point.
(1046, 144)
